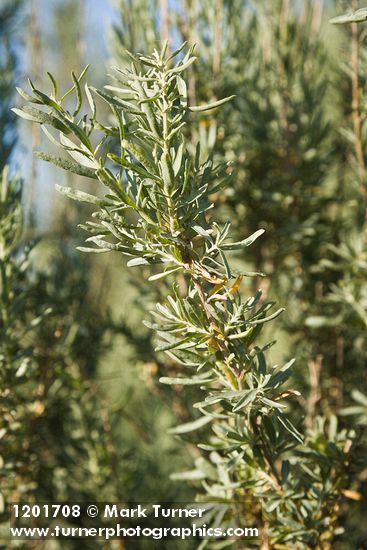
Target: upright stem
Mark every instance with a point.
(35, 48)
(284, 15)
(265, 537)
(193, 17)
(356, 114)
(267, 34)
(217, 42)
(317, 13)
(166, 159)
(165, 23)
(217, 54)
(314, 368)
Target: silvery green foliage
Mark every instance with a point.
(358, 16)
(57, 435)
(290, 135)
(157, 212)
(8, 12)
(48, 449)
(358, 409)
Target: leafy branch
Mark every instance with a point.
(157, 211)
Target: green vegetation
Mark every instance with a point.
(258, 118)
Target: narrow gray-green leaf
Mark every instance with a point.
(81, 196)
(209, 106)
(68, 165)
(358, 16)
(244, 243)
(184, 381)
(190, 426)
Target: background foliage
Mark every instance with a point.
(295, 136)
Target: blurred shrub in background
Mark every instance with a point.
(295, 135)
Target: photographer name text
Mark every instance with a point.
(158, 511)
